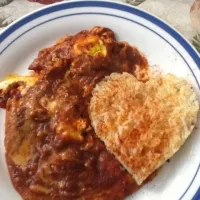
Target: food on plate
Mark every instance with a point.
(143, 124)
(15, 85)
(52, 151)
(90, 122)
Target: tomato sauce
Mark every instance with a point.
(63, 158)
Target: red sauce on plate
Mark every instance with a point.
(52, 151)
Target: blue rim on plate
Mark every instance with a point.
(116, 6)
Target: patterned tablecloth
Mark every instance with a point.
(184, 15)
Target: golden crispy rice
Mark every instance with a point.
(143, 124)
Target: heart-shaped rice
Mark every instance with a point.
(143, 124)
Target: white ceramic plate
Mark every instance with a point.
(163, 46)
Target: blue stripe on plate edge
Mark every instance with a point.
(197, 195)
(112, 5)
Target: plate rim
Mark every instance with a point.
(102, 3)
(113, 5)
